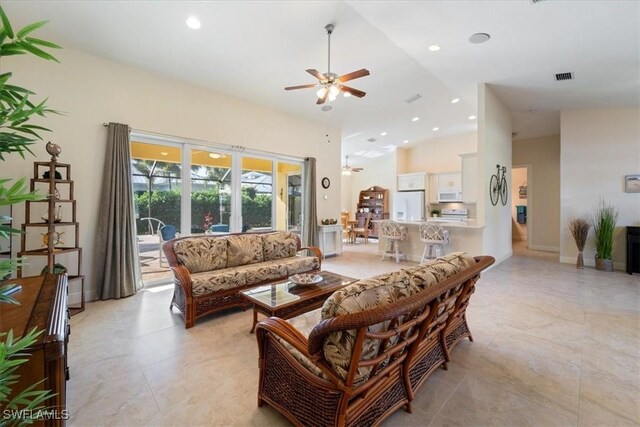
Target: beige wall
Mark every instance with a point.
(518, 177)
(598, 148)
(92, 90)
(439, 155)
(543, 155)
(380, 171)
(494, 147)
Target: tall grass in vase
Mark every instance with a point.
(604, 225)
(579, 228)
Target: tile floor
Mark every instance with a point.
(553, 346)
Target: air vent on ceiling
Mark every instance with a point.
(371, 140)
(564, 76)
(536, 1)
(413, 98)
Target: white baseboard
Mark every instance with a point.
(544, 248)
(591, 262)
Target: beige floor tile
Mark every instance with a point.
(553, 346)
(478, 403)
(603, 403)
(539, 370)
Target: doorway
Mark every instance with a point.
(520, 207)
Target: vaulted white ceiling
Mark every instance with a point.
(253, 49)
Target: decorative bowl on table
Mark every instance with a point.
(306, 279)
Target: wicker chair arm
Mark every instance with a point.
(316, 251)
(183, 277)
(283, 330)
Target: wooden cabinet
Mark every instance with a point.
(469, 177)
(54, 180)
(330, 237)
(413, 181)
(373, 200)
(42, 305)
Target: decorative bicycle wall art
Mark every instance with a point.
(498, 186)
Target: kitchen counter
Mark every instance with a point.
(464, 236)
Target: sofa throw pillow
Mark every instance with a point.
(428, 274)
(278, 245)
(244, 249)
(200, 254)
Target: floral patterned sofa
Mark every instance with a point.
(210, 271)
(366, 352)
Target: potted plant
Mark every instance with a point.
(579, 228)
(604, 224)
(16, 135)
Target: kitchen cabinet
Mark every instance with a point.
(412, 182)
(433, 189)
(450, 181)
(469, 177)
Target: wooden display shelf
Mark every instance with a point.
(57, 181)
(57, 201)
(46, 224)
(45, 251)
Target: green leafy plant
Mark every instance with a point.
(604, 225)
(12, 355)
(17, 133)
(16, 112)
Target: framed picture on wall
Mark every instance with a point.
(632, 184)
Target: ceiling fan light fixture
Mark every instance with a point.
(321, 92)
(346, 94)
(346, 172)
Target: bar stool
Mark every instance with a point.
(394, 234)
(435, 238)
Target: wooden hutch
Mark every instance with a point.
(374, 201)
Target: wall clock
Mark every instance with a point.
(326, 183)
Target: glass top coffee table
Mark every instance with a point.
(286, 299)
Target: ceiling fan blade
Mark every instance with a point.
(352, 91)
(300, 87)
(317, 74)
(354, 75)
(356, 169)
(323, 98)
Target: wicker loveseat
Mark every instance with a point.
(210, 271)
(371, 346)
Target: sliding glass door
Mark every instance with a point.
(181, 188)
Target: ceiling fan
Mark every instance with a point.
(346, 169)
(331, 84)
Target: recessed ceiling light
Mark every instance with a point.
(383, 134)
(435, 129)
(415, 119)
(215, 155)
(472, 117)
(164, 153)
(406, 141)
(434, 48)
(455, 100)
(478, 38)
(193, 23)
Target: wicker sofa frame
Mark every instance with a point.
(412, 344)
(193, 307)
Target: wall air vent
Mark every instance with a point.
(564, 76)
(413, 98)
(371, 140)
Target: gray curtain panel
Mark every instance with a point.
(117, 269)
(310, 226)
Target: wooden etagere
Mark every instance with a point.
(374, 201)
(54, 219)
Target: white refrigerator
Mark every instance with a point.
(408, 206)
